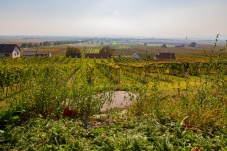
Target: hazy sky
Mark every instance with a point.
(150, 18)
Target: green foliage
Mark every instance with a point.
(71, 51)
(12, 116)
(107, 49)
(193, 44)
(179, 105)
(144, 134)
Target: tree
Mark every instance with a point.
(164, 46)
(72, 50)
(46, 43)
(23, 45)
(107, 49)
(29, 45)
(193, 44)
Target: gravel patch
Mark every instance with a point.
(120, 99)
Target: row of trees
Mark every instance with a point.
(192, 44)
(30, 45)
(49, 43)
(74, 50)
(65, 42)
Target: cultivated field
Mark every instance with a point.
(56, 103)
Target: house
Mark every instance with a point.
(97, 55)
(165, 56)
(9, 50)
(136, 56)
(36, 53)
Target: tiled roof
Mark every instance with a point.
(33, 53)
(7, 48)
(29, 53)
(42, 53)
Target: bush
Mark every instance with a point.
(71, 51)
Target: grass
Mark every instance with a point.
(114, 133)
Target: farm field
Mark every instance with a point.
(55, 103)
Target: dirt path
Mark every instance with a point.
(120, 99)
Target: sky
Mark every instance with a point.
(136, 18)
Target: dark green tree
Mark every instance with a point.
(107, 49)
(72, 50)
(193, 44)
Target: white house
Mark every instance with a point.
(9, 50)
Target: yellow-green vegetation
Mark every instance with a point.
(52, 104)
(89, 50)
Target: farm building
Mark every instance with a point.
(29, 53)
(165, 56)
(43, 54)
(136, 56)
(9, 50)
(35, 53)
(97, 55)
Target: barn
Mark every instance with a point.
(43, 54)
(36, 53)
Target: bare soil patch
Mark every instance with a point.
(120, 99)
